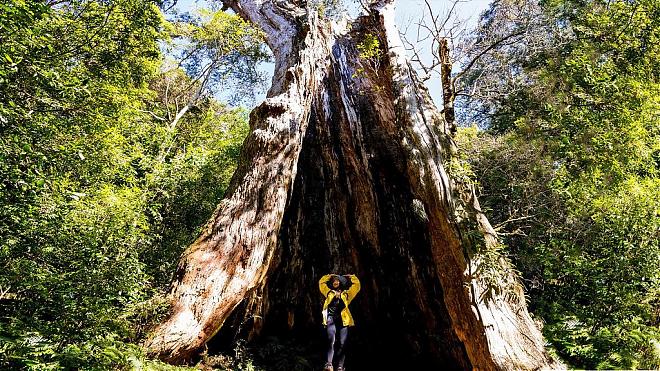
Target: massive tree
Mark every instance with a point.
(344, 170)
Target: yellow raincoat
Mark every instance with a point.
(347, 296)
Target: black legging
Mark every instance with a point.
(333, 329)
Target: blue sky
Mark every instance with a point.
(467, 13)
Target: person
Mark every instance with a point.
(338, 291)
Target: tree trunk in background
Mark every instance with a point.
(344, 171)
(448, 95)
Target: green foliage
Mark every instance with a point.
(187, 187)
(369, 47)
(369, 52)
(573, 185)
(590, 263)
(616, 260)
(99, 194)
(220, 52)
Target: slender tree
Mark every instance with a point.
(345, 170)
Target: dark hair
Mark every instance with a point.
(344, 282)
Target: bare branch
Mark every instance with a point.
(484, 51)
(153, 115)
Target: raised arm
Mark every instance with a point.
(355, 287)
(323, 284)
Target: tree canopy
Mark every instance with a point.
(569, 166)
(100, 193)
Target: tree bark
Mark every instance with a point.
(448, 95)
(344, 171)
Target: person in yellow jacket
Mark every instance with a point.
(338, 291)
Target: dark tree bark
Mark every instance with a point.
(344, 171)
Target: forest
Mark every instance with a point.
(157, 213)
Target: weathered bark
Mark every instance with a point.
(448, 95)
(344, 171)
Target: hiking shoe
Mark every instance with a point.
(327, 367)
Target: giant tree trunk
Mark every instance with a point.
(344, 171)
